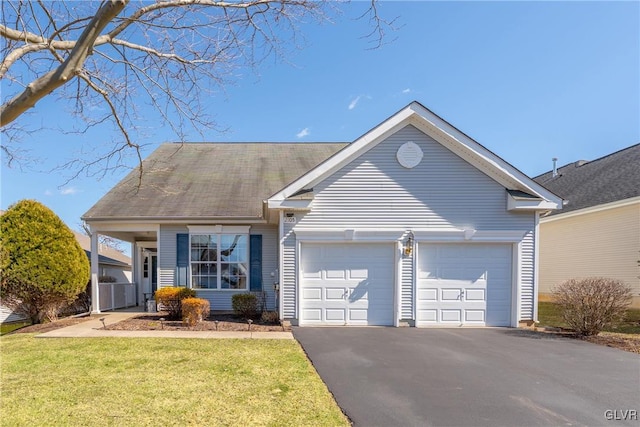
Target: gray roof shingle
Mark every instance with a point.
(608, 179)
(206, 180)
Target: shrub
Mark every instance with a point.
(589, 305)
(170, 298)
(245, 305)
(270, 317)
(107, 279)
(43, 266)
(194, 310)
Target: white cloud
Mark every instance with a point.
(69, 191)
(407, 90)
(48, 193)
(304, 132)
(354, 102)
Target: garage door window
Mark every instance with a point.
(219, 261)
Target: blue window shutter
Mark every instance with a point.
(182, 259)
(255, 262)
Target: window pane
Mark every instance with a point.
(233, 247)
(233, 276)
(231, 258)
(204, 275)
(204, 247)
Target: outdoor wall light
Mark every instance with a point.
(408, 244)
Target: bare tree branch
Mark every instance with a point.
(46, 84)
(125, 56)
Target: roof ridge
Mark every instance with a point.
(589, 161)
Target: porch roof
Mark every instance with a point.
(209, 180)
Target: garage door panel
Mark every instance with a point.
(427, 294)
(427, 316)
(357, 282)
(450, 295)
(474, 316)
(451, 316)
(335, 274)
(312, 294)
(335, 315)
(334, 293)
(464, 284)
(475, 294)
(312, 314)
(358, 315)
(312, 274)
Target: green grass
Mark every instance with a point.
(549, 315)
(5, 328)
(148, 381)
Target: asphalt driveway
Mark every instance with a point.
(473, 377)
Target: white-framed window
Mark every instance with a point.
(219, 258)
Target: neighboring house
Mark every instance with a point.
(598, 231)
(111, 263)
(412, 223)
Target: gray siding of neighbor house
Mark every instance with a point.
(442, 192)
(219, 300)
(7, 315)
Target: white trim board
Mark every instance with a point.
(592, 209)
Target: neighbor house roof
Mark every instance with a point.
(584, 184)
(106, 254)
(207, 180)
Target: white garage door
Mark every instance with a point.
(464, 284)
(346, 284)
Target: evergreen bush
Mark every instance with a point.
(245, 305)
(43, 266)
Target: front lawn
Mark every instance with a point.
(5, 328)
(148, 381)
(549, 315)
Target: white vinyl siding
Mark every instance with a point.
(220, 300)
(443, 192)
(289, 272)
(406, 288)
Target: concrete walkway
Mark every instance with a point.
(93, 328)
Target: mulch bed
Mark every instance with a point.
(52, 326)
(225, 322)
(625, 342)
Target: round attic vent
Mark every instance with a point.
(409, 155)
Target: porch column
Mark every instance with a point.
(95, 291)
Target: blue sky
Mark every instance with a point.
(528, 80)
